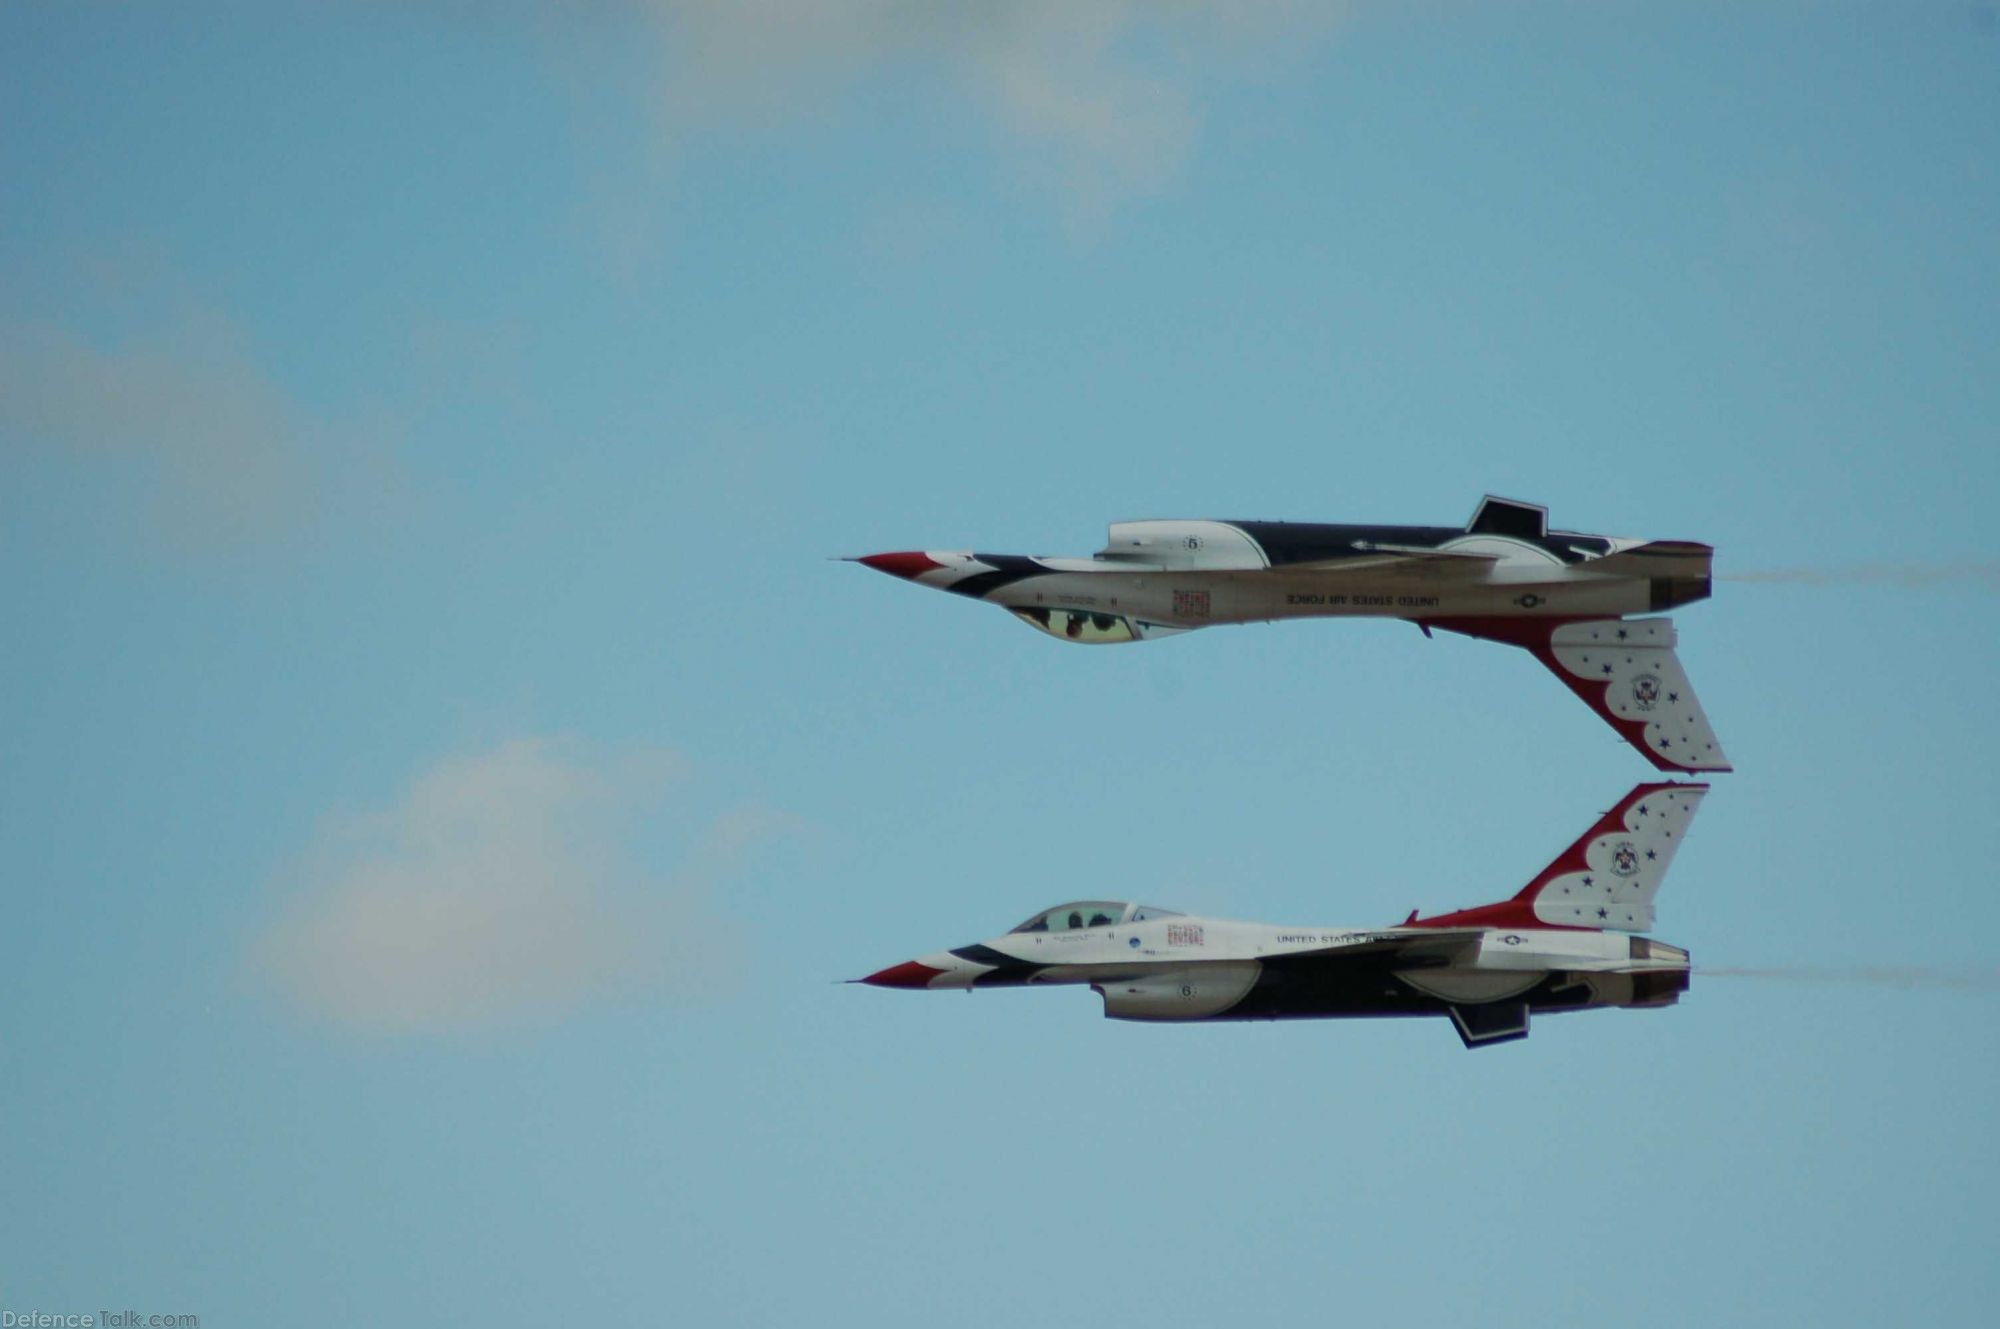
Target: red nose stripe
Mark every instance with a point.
(908, 974)
(910, 563)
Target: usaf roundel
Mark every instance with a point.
(1625, 859)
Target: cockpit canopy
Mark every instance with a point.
(1079, 625)
(1092, 914)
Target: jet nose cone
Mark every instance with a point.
(908, 974)
(907, 564)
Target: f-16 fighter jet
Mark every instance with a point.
(1505, 576)
(1562, 944)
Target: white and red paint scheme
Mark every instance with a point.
(1565, 942)
(1505, 576)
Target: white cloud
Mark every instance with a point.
(1097, 98)
(186, 431)
(501, 887)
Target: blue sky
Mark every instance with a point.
(444, 775)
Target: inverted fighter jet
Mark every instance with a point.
(1505, 576)
(1563, 943)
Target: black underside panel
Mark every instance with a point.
(1313, 542)
(1319, 991)
(1008, 569)
(1005, 970)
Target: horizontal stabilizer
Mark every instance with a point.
(1657, 558)
(1627, 672)
(1394, 560)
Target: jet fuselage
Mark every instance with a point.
(1565, 596)
(1158, 577)
(1568, 940)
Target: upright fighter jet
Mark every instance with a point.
(1561, 944)
(1505, 576)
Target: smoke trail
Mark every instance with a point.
(1895, 976)
(1982, 573)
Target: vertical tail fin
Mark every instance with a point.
(1608, 878)
(1626, 671)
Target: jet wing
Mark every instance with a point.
(1393, 559)
(1656, 558)
(1495, 1015)
(1392, 950)
(1423, 552)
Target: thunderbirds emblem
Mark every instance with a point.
(1625, 859)
(1646, 691)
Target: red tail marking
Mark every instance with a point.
(1519, 912)
(1535, 635)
